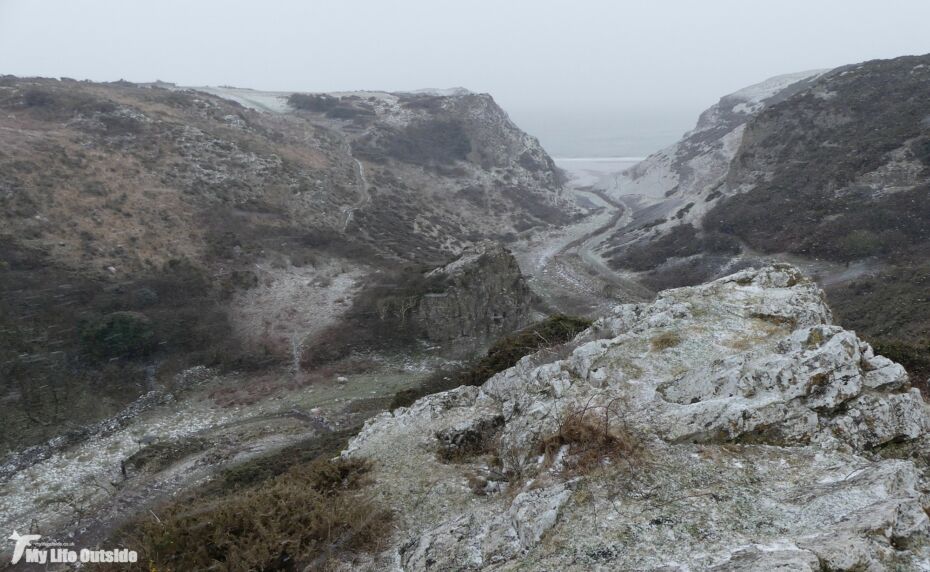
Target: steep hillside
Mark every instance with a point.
(830, 172)
(841, 172)
(190, 163)
(448, 169)
(841, 169)
(701, 158)
(147, 228)
(672, 189)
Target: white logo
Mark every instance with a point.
(54, 553)
(22, 541)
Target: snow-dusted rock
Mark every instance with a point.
(758, 423)
(872, 419)
(776, 557)
(534, 512)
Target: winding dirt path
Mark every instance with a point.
(565, 270)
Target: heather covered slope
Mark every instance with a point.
(830, 172)
(838, 171)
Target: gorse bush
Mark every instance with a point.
(681, 241)
(507, 351)
(891, 304)
(302, 519)
(914, 356)
(379, 317)
(334, 107)
(430, 143)
(53, 103)
(319, 102)
(261, 469)
(118, 334)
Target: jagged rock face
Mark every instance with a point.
(486, 297)
(759, 427)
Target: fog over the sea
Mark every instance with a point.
(589, 77)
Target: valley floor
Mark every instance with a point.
(171, 442)
(562, 265)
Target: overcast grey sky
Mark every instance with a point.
(587, 76)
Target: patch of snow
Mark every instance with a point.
(765, 89)
(443, 92)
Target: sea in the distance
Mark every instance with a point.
(589, 133)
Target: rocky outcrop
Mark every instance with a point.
(485, 296)
(727, 426)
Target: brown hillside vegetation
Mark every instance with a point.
(134, 217)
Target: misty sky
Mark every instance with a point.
(591, 77)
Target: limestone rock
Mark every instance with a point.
(749, 425)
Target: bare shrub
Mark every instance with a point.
(588, 437)
(457, 445)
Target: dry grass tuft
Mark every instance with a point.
(664, 341)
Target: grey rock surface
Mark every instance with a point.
(758, 436)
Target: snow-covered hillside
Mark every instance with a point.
(689, 168)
